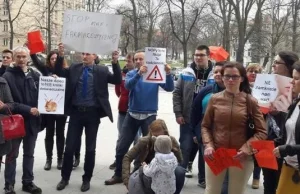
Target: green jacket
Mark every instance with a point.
(140, 152)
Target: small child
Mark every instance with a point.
(162, 167)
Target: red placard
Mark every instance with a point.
(35, 42)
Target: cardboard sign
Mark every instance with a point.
(265, 157)
(155, 61)
(271, 89)
(223, 159)
(51, 95)
(91, 32)
(35, 42)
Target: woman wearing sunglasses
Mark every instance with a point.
(289, 181)
(225, 125)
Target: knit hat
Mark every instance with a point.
(163, 144)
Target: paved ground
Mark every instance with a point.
(107, 134)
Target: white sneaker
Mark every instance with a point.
(189, 170)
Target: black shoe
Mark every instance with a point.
(9, 189)
(85, 186)
(113, 166)
(59, 164)
(62, 184)
(48, 165)
(76, 162)
(31, 188)
(114, 180)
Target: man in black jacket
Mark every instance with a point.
(7, 58)
(86, 102)
(23, 83)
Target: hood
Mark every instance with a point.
(167, 163)
(14, 70)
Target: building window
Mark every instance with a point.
(5, 41)
(5, 26)
(249, 53)
(5, 10)
(234, 53)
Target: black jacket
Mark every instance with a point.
(2, 70)
(24, 90)
(102, 77)
(291, 150)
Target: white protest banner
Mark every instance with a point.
(91, 32)
(155, 61)
(271, 89)
(51, 95)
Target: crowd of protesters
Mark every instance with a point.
(211, 103)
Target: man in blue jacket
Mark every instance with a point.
(142, 110)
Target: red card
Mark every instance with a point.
(35, 42)
(223, 159)
(265, 157)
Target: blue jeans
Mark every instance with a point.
(121, 118)
(90, 121)
(256, 171)
(187, 145)
(129, 130)
(180, 178)
(28, 159)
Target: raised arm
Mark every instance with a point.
(169, 85)
(39, 65)
(116, 77)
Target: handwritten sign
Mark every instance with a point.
(91, 32)
(265, 157)
(51, 95)
(155, 61)
(223, 159)
(269, 87)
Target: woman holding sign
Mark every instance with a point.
(225, 125)
(52, 122)
(290, 173)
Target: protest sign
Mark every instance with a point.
(270, 89)
(265, 157)
(91, 32)
(35, 42)
(51, 95)
(155, 61)
(223, 159)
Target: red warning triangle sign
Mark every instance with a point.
(155, 75)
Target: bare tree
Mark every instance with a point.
(295, 5)
(11, 19)
(223, 10)
(96, 5)
(189, 14)
(242, 9)
(151, 9)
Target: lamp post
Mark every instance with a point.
(72, 54)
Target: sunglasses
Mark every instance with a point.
(233, 77)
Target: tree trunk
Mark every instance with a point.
(150, 32)
(184, 48)
(11, 26)
(135, 26)
(184, 42)
(49, 27)
(295, 8)
(240, 49)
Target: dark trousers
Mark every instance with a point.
(28, 159)
(189, 149)
(55, 124)
(78, 148)
(89, 120)
(256, 171)
(128, 133)
(271, 178)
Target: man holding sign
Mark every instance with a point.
(86, 102)
(143, 106)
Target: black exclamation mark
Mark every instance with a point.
(155, 72)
